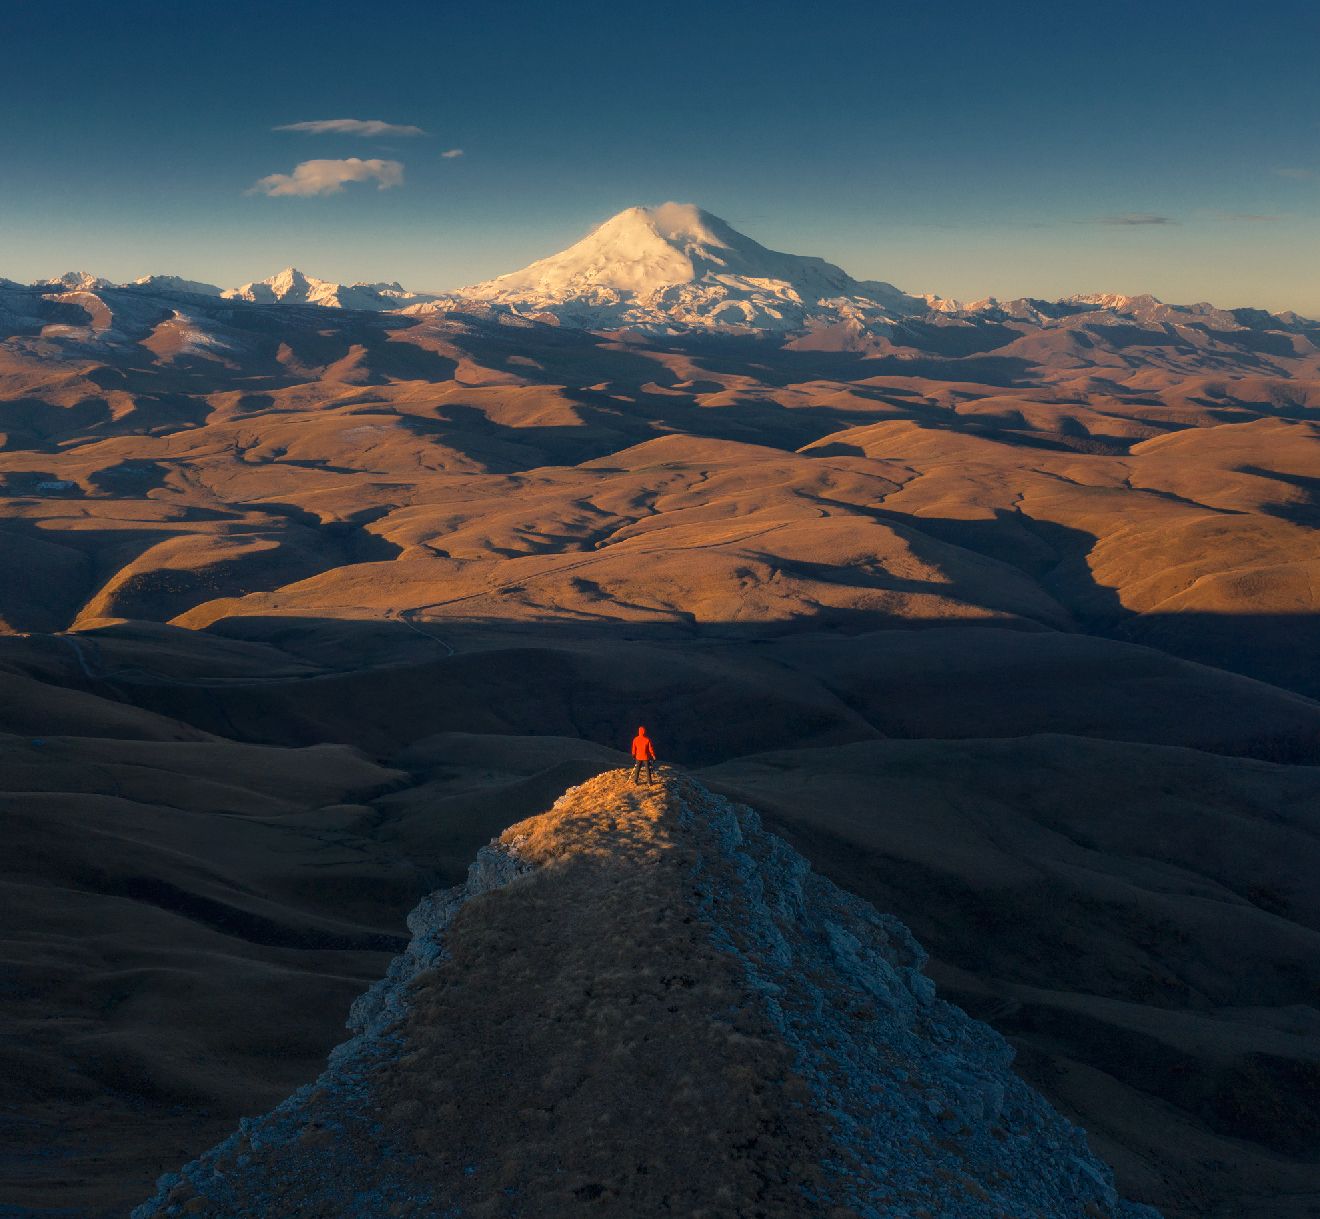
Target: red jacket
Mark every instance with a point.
(642, 749)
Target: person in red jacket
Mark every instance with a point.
(642, 751)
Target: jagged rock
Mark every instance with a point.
(641, 1003)
(292, 287)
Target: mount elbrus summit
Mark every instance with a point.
(1002, 614)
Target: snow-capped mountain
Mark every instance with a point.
(287, 287)
(75, 281)
(677, 267)
(1142, 310)
(292, 287)
(175, 284)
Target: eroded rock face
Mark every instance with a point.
(641, 1003)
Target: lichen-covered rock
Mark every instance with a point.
(641, 1003)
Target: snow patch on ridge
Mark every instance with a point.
(174, 284)
(292, 287)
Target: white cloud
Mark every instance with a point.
(1298, 174)
(365, 127)
(450, 153)
(1136, 218)
(328, 177)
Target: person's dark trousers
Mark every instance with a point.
(637, 771)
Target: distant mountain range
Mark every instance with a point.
(676, 269)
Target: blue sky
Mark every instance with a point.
(960, 148)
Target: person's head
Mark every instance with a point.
(641, 731)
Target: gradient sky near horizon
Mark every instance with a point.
(961, 148)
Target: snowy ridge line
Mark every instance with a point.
(676, 268)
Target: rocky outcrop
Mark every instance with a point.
(641, 1003)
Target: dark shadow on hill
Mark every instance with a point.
(129, 478)
(723, 690)
(1306, 512)
(1024, 798)
(955, 342)
(768, 361)
(1282, 649)
(67, 569)
(34, 426)
(232, 920)
(1060, 887)
(341, 542)
(608, 422)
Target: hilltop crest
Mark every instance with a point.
(642, 1001)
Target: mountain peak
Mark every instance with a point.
(174, 284)
(1112, 300)
(677, 266)
(289, 286)
(290, 275)
(643, 1000)
(293, 287)
(702, 238)
(638, 250)
(80, 281)
(676, 220)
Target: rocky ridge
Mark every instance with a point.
(292, 287)
(642, 1003)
